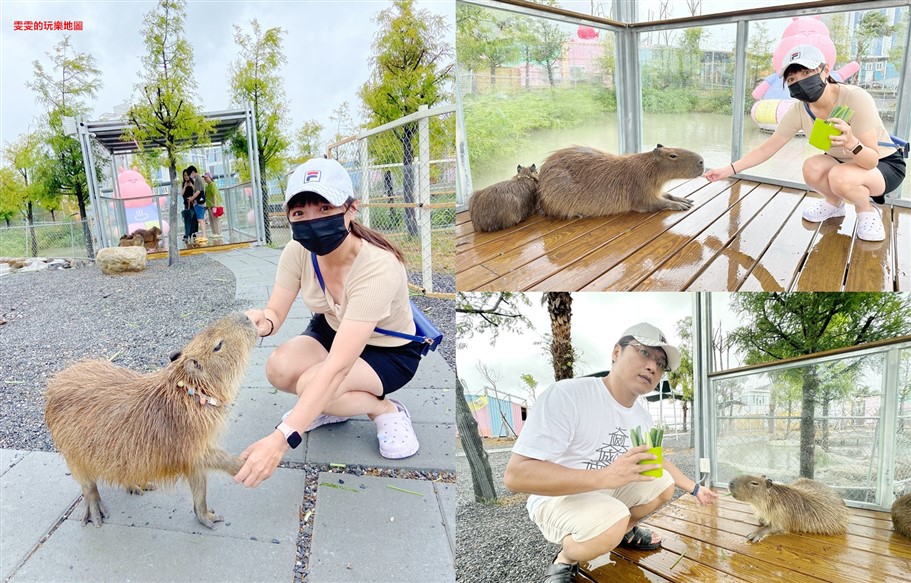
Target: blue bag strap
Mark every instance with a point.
(412, 337)
(899, 144)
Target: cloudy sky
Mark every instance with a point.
(327, 45)
(598, 321)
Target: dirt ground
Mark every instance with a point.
(492, 442)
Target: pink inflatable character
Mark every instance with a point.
(773, 98)
(138, 202)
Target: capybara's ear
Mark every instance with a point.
(533, 168)
(660, 146)
(768, 482)
(175, 355)
(518, 168)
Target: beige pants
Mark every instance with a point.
(213, 221)
(586, 515)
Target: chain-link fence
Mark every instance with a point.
(404, 174)
(859, 443)
(63, 240)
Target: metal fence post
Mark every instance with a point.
(423, 199)
(363, 161)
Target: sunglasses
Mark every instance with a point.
(648, 354)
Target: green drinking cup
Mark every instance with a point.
(656, 451)
(821, 134)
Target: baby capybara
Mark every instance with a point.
(506, 203)
(123, 427)
(901, 515)
(584, 182)
(802, 506)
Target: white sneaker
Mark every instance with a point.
(822, 210)
(870, 226)
(321, 419)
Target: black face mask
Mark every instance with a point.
(809, 89)
(321, 236)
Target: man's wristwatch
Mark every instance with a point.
(856, 150)
(292, 437)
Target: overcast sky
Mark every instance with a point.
(327, 45)
(598, 321)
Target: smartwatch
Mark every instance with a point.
(292, 437)
(856, 150)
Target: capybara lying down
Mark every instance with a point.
(901, 515)
(802, 506)
(584, 182)
(123, 427)
(506, 203)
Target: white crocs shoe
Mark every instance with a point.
(321, 419)
(822, 210)
(396, 434)
(870, 226)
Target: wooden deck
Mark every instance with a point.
(712, 540)
(739, 235)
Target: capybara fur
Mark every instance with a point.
(801, 506)
(122, 427)
(584, 182)
(901, 515)
(506, 203)
(131, 241)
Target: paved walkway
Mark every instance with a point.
(363, 529)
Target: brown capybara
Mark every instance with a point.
(801, 506)
(123, 427)
(131, 241)
(506, 203)
(901, 515)
(584, 182)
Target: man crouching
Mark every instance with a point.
(575, 457)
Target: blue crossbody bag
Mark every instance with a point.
(425, 332)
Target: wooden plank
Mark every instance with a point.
(871, 265)
(676, 273)
(901, 222)
(621, 569)
(582, 272)
(488, 245)
(474, 278)
(462, 218)
(786, 253)
(746, 254)
(827, 257)
(470, 237)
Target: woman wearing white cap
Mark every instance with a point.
(576, 459)
(862, 163)
(353, 280)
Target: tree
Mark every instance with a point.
(531, 383)
(873, 25)
(62, 88)
(256, 79)
(759, 55)
(560, 308)
(897, 52)
(841, 38)
(551, 41)
(481, 476)
(781, 325)
(683, 376)
(308, 141)
(411, 66)
(493, 376)
(164, 112)
(484, 38)
(25, 156)
(344, 123)
(10, 194)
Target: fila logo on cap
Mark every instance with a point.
(312, 176)
(662, 339)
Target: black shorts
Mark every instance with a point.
(395, 365)
(892, 167)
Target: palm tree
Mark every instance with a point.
(560, 307)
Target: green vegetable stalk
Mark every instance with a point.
(842, 112)
(653, 437)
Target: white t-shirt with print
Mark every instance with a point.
(577, 423)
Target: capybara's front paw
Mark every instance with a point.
(209, 518)
(758, 535)
(95, 512)
(676, 205)
(139, 490)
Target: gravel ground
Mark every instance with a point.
(441, 313)
(503, 544)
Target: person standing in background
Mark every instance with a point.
(213, 200)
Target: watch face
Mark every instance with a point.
(857, 148)
(294, 439)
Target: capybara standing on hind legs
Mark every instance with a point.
(585, 182)
(122, 427)
(506, 203)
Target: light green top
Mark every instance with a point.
(213, 197)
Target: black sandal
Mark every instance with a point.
(639, 539)
(561, 572)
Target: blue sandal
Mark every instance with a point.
(639, 539)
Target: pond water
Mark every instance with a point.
(706, 133)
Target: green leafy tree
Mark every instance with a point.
(841, 38)
(897, 52)
(779, 325)
(759, 54)
(307, 140)
(344, 123)
(873, 25)
(10, 194)
(164, 112)
(682, 378)
(689, 57)
(485, 39)
(551, 42)
(411, 66)
(62, 87)
(256, 79)
(25, 155)
(531, 383)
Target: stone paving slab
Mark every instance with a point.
(270, 512)
(437, 451)
(377, 534)
(120, 553)
(254, 415)
(446, 493)
(9, 458)
(35, 493)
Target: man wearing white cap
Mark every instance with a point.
(576, 459)
(862, 163)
